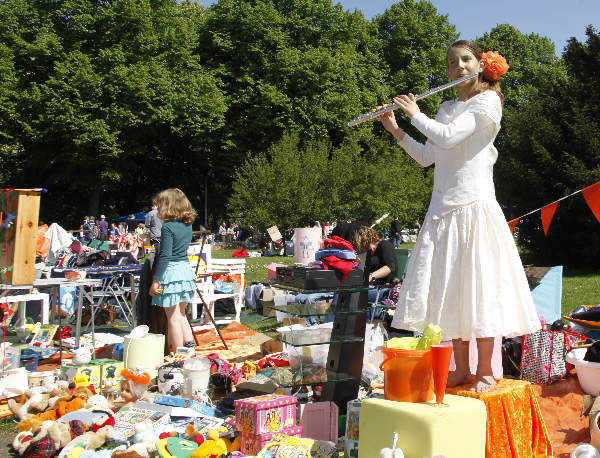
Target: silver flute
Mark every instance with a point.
(435, 90)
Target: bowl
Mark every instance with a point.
(74, 275)
(588, 373)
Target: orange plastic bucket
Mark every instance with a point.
(408, 375)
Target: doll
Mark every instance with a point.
(134, 383)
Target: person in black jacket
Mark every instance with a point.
(381, 264)
(395, 230)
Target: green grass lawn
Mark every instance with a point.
(580, 286)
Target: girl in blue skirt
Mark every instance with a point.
(173, 284)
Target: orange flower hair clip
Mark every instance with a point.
(137, 375)
(495, 65)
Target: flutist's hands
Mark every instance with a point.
(389, 122)
(408, 104)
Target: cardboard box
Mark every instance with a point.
(265, 414)
(92, 371)
(110, 371)
(251, 444)
(352, 423)
(268, 301)
(176, 401)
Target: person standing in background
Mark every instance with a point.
(112, 231)
(102, 228)
(223, 231)
(154, 224)
(395, 230)
(131, 224)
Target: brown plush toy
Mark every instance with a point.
(82, 392)
(33, 404)
(63, 406)
(33, 422)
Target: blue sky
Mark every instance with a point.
(555, 19)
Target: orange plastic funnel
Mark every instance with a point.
(440, 361)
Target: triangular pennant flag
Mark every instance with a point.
(591, 195)
(512, 224)
(547, 215)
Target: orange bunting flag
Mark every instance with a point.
(591, 195)
(547, 215)
(512, 224)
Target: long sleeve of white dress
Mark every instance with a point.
(446, 136)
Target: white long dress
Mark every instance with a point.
(464, 272)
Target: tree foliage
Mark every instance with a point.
(552, 147)
(110, 94)
(297, 182)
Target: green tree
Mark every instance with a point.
(297, 182)
(553, 148)
(110, 97)
(291, 65)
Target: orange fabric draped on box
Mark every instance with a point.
(515, 427)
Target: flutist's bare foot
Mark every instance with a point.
(483, 383)
(459, 378)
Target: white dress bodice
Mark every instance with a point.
(460, 143)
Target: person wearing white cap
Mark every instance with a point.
(102, 228)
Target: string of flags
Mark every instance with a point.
(591, 194)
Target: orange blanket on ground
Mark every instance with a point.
(561, 404)
(208, 342)
(515, 426)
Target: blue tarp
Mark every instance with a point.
(547, 295)
(139, 216)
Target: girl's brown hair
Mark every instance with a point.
(362, 238)
(173, 205)
(485, 84)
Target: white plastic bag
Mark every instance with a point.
(375, 336)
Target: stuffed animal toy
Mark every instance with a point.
(61, 390)
(81, 380)
(97, 401)
(192, 434)
(34, 403)
(33, 422)
(82, 392)
(213, 446)
(22, 441)
(82, 355)
(37, 443)
(60, 433)
(97, 439)
(63, 406)
(145, 437)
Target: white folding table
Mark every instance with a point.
(24, 298)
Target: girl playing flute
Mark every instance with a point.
(464, 273)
